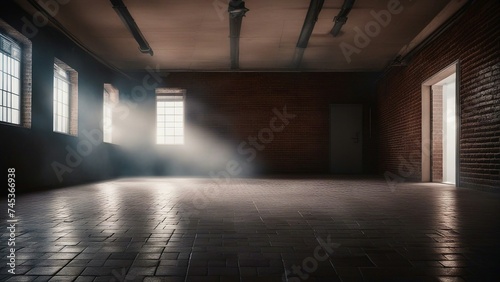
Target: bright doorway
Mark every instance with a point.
(440, 127)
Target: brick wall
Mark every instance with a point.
(437, 133)
(233, 107)
(474, 41)
(73, 104)
(27, 82)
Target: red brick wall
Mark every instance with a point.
(474, 41)
(235, 106)
(437, 133)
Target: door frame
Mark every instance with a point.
(426, 142)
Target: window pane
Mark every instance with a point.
(8, 83)
(15, 102)
(15, 85)
(110, 99)
(65, 112)
(61, 101)
(17, 69)
(169, 131)
(15, 116)
(170, 116)
(10, 80)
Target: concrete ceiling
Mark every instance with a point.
(193, 35)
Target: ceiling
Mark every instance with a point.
(194, 35)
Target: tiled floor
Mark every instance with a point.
(172, 229)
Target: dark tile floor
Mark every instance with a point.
(173, 229)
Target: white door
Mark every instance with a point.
(346, 147)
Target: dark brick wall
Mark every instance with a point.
(232, 107)
(474, 41)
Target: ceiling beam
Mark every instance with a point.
(310, 21)
(129, 22)
(236, 11)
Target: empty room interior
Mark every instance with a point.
(230, 140)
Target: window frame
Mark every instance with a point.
(26, 74)
(65, 101)
(170, 95)
(108, 106)
(7, 94)
(72, 81)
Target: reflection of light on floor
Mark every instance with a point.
(109, 201)
(447, 210)
(163, 198)
(446, 232)
(161, 211)
(65, 215)
(60, 206)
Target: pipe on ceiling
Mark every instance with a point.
(129, 21)
(341, 18)
(237, 11)
(305, 34)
